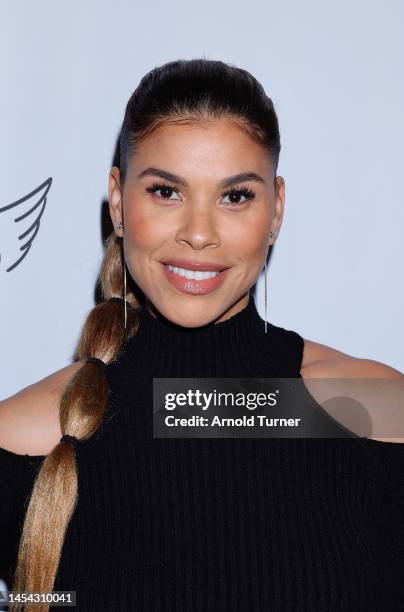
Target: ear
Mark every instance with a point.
(115, 200)
(279, 204)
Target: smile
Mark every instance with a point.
(194, 274)
(194, 282)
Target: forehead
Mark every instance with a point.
(213, 148)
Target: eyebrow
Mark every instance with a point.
(230, 180)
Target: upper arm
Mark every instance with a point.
(29, 420)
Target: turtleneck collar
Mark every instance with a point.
(247, 318)
(235, 347)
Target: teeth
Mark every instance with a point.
(192, 275)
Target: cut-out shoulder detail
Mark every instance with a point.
(321, 361)
(29, 420)
(365, 399)
(10, 454)
(316, 353)
(384, 441)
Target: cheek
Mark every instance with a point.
(141, 231)
(248, 236)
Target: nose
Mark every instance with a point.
(197, 226)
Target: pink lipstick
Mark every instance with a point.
(188, 277)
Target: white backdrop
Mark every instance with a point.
(334, 72)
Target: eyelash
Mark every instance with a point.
(236, 190)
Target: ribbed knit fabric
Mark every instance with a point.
(220, 524)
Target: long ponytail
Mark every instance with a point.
(82, 407)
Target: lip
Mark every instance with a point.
(195, 287)
(196, 265)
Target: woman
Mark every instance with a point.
(129, 521)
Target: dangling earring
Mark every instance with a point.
(266, 297)
(124, 289)
(272, 233)
(120, 226)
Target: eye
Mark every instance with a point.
(236, 193)
(165, 188)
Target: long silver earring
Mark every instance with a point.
(266, 297)
(124, 289)
(272, 234)
(120, 226)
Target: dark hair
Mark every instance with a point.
(180, 91)
(186, 91)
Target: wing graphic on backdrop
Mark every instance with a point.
(19, 224)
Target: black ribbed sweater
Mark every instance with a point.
(220, 524)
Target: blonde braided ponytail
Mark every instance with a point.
(82, 407)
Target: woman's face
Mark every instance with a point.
(175, 207)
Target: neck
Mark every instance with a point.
(230, 312)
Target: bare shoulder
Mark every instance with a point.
(29, 420)
(322, 361)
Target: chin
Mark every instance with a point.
(189, 316)
(191, 320)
